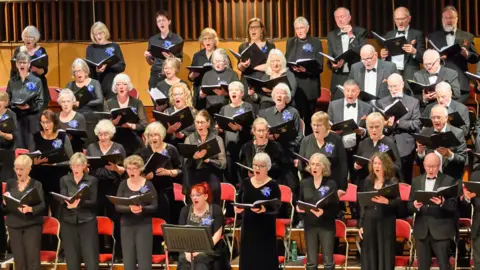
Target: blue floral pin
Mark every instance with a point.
(57, 143)
(264, 48)
(116, 151)
(266, 191)
(82, 186)
(38, 53)
(90, 88)
(239, 111)
(31, 86)
(165, 153)
(323, 190)
(222, 82)
(307, 47)
(4, 117)
(110, 51)
(144, 189)
(206, 221)
(329, 147)
(167, 44)
(73, 123)
(287, 116)
(134, 109)
(383, 148)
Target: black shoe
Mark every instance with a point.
(118, 260)
(61, 258)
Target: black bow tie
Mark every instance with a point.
(433, 74)
(398, 98)
(431, 178)
(436, 132)
(401, 32)
(449, 33)
(354, 105)
(373, 69)
(342, 33)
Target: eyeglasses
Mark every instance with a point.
(368, 59)
(314, 164)
(43, 123)
(261, 130)
(254, 27)
(29, 38)
(200, 122)
(259, 166)
(177, 94)
(401, 19)
(429, 65)
(22, 62)
(77, 71)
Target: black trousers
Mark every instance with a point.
(80, 241)
(317, 237)
(25, 244)
(440, 248)
(407, 165)
(476, 251)
(200, 262)
(137, 246)
(27, 125)
(306, 108)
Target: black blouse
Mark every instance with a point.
(77, 122)
(86, 209)
(17, 219)
(31, 88)
(275, 117)
(94, 87)
(269, 45)
(157, 40)
(60, 141)
(164, 87)
(234, 140)
(311, 194)
(129, 218)
(379, 210)
(214, 77)
(93, 150)
(4, 143)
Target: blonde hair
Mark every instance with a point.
(283, 61)
(99, 27)
(208, 32)
(173, 62)
(134, 160)
(322, 118)
(4, 96)
(83, 65)
(31, 31)
(78, 158)
(154, 128)
(324, 162)
(186, 92)
(121, 77)
(23, 160)
(376, 116)
(259, 121)
(66, 93)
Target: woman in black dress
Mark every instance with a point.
(234, 140)
(258, 249)
(179, 97)
(79, 223)
(24, 223)
(276, 67)
(49, 172)
(220, 74)
(377, 222)
(81, 75)
(136, 228)
(171, 67)
(68, 118)
(376, 142)
(327, 142)
(101, 49)
(164, 174)
(303, 46)
(7, 138)
(109, 177)
(30, 37)
(128, 134)
(26, 98)
(319, 224)
(203, 213)
(210, 170)
(260, 144)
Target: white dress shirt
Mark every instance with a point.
(451, 38)
(399, 60)
(371, 81)
(430, 184)
(433, 78)
(345, 45)
(350, 140)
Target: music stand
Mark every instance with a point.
(188, 239)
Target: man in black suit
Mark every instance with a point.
(409, 62)
(434, 72)
(434, 226)
(371, 74)
(443, 92)
(470, 197)
(401, 129)
(454, 159)
(340, 40)
(450, 35)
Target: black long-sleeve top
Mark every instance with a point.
(170, 138)
(94, 87)
(379, 210)
(250, 71)
(292, 82)
(22, 90)
(77, 122)
(102, 174)
(129, 218)
(157, 40)
(45, 145)
(309, 193)
(4, 143)
(213, 77)
(17, 219)
(234, 140)
(86, 209)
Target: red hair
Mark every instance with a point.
(203, 188)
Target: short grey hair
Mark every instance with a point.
(221, 53)
(31, 31)
(122, 77)
(431, 53)
(441, 108)
(105, 126)
(301, 20)
(350, 82)
(154, 128)
(66, 94)
(236, 85)
(325, 163)
(443, 87)
(283, 61)
(368, 48)
(282, 87)
(342, 8)
(265, 158)
(83, 65)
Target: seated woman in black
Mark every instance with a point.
(319, 224)
(26, 98)
(68, 118)
(136, 224)
(24, 223)
(179, 97)
(203, 213)
(128, 134)
(79, 220)
(171, 67)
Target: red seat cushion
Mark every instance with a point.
(435, 262)
(401, 261)
(281, 259)
(351, 222)
(105, 258)
(285, 221)
(229, 220)
(47, 256)
(159, 258)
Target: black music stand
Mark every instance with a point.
(187, 239)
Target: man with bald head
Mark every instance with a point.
(371, 73)
(453, 159)
(401, 130)
(341, 39)
(434, 226)
(409, 62)
(450, 35)
(443, 93)
(433, 72)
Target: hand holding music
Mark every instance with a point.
(409, 48)
(360, 233)
(73, 205)
(437, 200)
(317, 213)
(380, 199)
(384, 53)
(136, 209)
(235, 127)
(338, 65)
(417, 204)
(299, 210)
(469, 195)
(464, 52)
(173, 128)
(238, 210)
(259, 210)
(200, 154)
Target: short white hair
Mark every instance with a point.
(431, 53)
(342, 8)
(282, 87)
(443, 87)
(83, 65)
(31, 31)
(265, 158)
(441, 108)
(105, 126)
(66, 94)
(222, 54)
(301, 20)
(122, 77)
(236, 85)
(154, 128)
(283, 61)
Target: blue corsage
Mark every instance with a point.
(329, 147)
(206, 221)
(266, 191)
(383, 148)
(307, 47)
(144, 189)
(73, 124)
(264, 48)
(167, 44)
(31, 86)
(110, 51)
(57, 143)
(323, 190)
(287, 116)
(90, 88)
